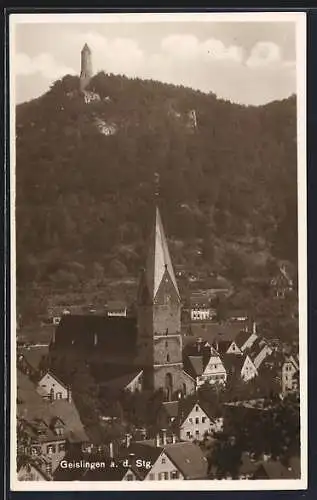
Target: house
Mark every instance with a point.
(46, 440)
(197, 419)
(240, 367)
(117, 308)
(237, 315)
(203, 363)
(245, 339)
(259, 351)
(282, 283)
(30, 469)
(284, 370)
(51, 426)
(170, 461)
(200, 309)
(273, 469)
(49, 386)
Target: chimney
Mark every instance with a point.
(266, 457)
(164, 437)
(157, 440)
(69, 395)
(111, 453)
(127, 440)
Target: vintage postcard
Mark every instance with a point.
(158, 246)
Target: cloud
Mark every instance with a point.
(44, 64)
(253, 77)
(189, 47)
(264, 54)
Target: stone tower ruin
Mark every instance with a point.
(86, 67)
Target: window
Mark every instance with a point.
(203, 419)
(188, 433)
(159, 476)
(129, 477)
(197, 420)
(190, 420)
(197, 432)
(165, 476)
(152, 476)
(61, 447)
(163, 460)
(59, 395)
(174, 474)
(197, 408)
(51, 448)
(168, 358)
(166, 344)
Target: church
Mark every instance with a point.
(151, 342)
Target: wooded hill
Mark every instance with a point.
(85, 181)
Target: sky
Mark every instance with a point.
(246, 62)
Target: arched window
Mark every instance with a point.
(168, 358)
(169, 386)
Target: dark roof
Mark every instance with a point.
(52, 374)
(189, 459)
(32, 407)
(195, 367)
(242, 337)
(120, 383)
(186, 406)
(273, 469)
(212, 331)
(233, 363)
(115, 334)
(33, 355)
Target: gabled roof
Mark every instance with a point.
(116, 335)
(158, 260)
(189, 459)
(233, 363)
(33, 355)
(242, 337)
(52, 374)
(212, 331)
(33, 406)
(120, 383)
(274, 469)
(195, 367)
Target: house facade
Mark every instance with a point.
(198, 422)
(50, 387)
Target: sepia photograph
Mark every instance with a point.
(158, 251)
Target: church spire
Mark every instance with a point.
(159, 262)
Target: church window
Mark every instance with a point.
(168, 358)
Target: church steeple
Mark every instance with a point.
(159, 267)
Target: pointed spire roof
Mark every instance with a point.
(86, 48)
(159, 260)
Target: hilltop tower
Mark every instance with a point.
(86, 67)
(159, 342)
